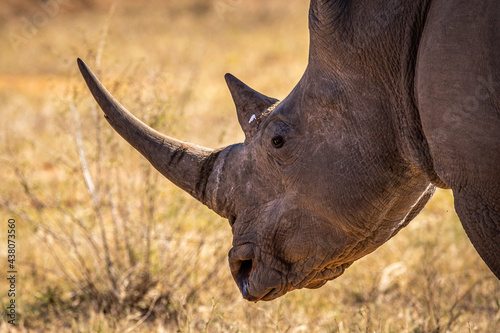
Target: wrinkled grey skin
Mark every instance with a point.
(357, 148)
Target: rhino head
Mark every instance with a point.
(319, 182)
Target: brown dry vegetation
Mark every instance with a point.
(104, 244)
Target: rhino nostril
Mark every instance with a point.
(245, 269)
(241, 261)
(231, 220)
(243, 275)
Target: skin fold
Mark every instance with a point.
(354, 152)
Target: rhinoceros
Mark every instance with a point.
(398, 98)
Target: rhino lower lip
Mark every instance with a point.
(272, 294)
(269, 296)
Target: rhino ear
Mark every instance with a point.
(249, 103)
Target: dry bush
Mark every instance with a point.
(101, 235)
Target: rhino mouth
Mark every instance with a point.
(255, 280)
(258, 281)
(243, 281)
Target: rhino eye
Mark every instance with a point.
(278, 141)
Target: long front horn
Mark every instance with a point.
(186, 165)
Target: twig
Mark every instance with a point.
(146, 316)
(95, 198)
(102, 42)
(459, 300)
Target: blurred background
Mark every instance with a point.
(105, 244)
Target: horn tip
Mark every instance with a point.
(234, 84)
(84, 69)
(81, 63)
(229, 77)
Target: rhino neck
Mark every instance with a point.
(377, 44)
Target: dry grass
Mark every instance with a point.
(114, 247)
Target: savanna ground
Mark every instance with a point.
(104, 244)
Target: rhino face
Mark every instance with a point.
(313, 188)
(280, 241)
(283, 236)
(307, 197)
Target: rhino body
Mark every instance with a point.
(398, 98)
